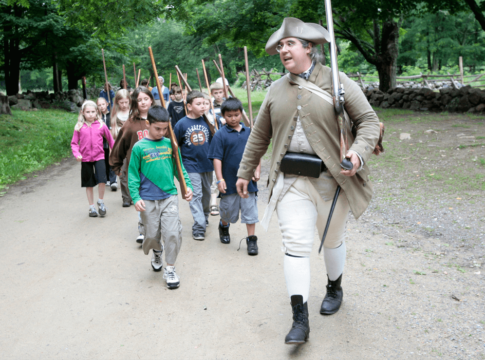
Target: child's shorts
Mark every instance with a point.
(93, 173)
(231, 204)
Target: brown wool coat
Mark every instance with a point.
(276, 122)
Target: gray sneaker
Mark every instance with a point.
(93, 212)
(198, 236)
(157, 263)
(171, 277)
(101, 209)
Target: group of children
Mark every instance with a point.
(141, 155)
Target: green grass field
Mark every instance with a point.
(32, 140)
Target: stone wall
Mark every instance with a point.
(466, 99)
(71, 100)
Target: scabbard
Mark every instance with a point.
(334, 203)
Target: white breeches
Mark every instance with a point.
(301, 209)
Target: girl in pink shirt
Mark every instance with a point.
(87, 148)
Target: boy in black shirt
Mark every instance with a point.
(176, 108)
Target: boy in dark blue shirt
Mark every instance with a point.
(176, 107)
(226, 151)
(194, 136)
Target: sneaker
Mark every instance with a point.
(93, 212)
(114, 186)
(140, 239)
(108, 183)
(206, 222)
(224, 234)
(252, 243)
(126, 203)
(198, 236)
(101, 209)
(171, 277)
(157, 263)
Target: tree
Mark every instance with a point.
(477, 9)
(371, 26)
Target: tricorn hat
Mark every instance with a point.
(293, 27)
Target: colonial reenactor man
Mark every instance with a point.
(305, 165)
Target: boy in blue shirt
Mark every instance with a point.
(226, 151)
(165, 92)
(194, 136)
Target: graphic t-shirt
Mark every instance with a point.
(177, 111)
(194, 137)
(152, 169)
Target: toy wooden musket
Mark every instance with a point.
(106, 80)
(134, 70)
(198, 77)
(223, 76)
(138, 78)
(189, 89)
(170, 82)
(182, 90)
(244, 116)
(173, 140)
(208, 89)
(248, 87)
(124, 77)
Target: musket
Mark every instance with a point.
(245, 118)
(223, 76)
(124, 77)
(198, 77)
(189, 89)
(208, 89)
(138, 78)
(182, 89)
(106, 78)
(173, 140)
(134, 70)
(248, 87)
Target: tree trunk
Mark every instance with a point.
(4, 105)
(387, 60)
(11, 51)
(59, 78)
(475, 8)
(55, 75)
(72, 77)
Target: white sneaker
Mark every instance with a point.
(140, 239)
(114, 186)
(171, 277)
(157, 263)
(108, 183)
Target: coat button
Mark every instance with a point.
(274, 180)
(298, 97)
(289, 136)
(300, 87)
(298, 107)
(292, 128)
(363, 184)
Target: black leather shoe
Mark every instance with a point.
(333, 298)
(251, 242)
(224, 234)
(126, 203)
(300, 330)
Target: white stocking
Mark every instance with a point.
(335, 261)
(297, 274)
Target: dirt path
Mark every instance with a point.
(74, 287)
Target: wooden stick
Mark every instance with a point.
(106, 79)
(223, 76)
(248, 87)
(208, 89)
(245, 117)
(124, 77)
(460, 61)
(170, 83)
(173, 140)
(198, 77)
(134, 70)
(138, 79)
(183, 95)
(211, 127)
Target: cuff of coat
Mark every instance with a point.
(360, 158)
(363, 150)
(245, 172)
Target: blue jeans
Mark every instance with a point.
(200, 204)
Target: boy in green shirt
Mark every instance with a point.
(152, 188)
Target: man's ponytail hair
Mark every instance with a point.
(231, 104)
(157, 113)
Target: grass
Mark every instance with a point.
(257, 98)
(32, 140)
